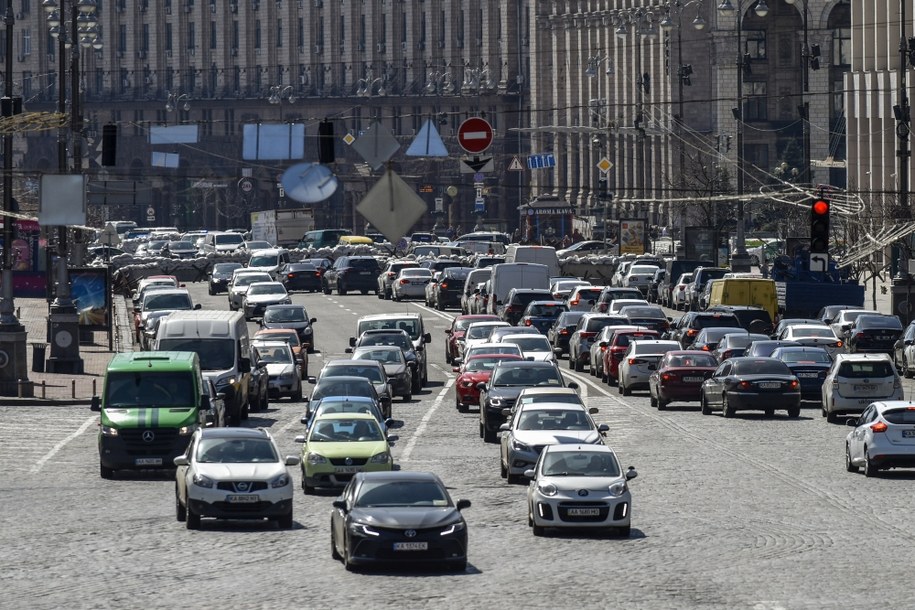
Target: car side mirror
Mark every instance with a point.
(506, 412)
(197, 306)
(572, 385)
(180, 460)
(352, 341)
(427, 338)
(631, 473)
(312, 379)
(312, 320)
(481, 386)
(529, 473)
(462, 504)
(455, 369)
(96, 404)
(339, 504)
(593, 411)
(603, 428)
(392, 438)
(304, 419)
(292, 460)
(348, 350)
(300, 438)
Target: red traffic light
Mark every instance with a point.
(820, 207)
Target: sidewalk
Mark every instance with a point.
(66, 388)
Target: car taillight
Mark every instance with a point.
(692, 332)
(527, 322)
(317, 274)
(444, 285)
(404, 282)
(633, 360)
(879, 427)
(585, 335)
(839, 344)
(557, 295)
(564, 331)
(666, 377)
(858, 335)
(575, 302)
(705, 348)
(682, 288)
(744, 385)
(794, 384)
(603, 348)
(290, 275)
(391, 274)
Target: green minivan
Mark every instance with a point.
(151, 403)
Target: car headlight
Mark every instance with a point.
(380, 458)
(618, 489)
(361, 529)
(518, 446)
(495, 402)
(187, 430)
(548, 489)
(451, 529)
(280, 481)
(287, 376)
(316, 458)
(287, 301)
(203, 481)
(109, 431)
(223, 382)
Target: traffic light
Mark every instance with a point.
(326, 153)
(819, 226)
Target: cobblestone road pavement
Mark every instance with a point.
(750, 512)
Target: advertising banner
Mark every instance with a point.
(89, 290)
(633, 236)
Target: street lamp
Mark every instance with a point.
(74, 24)
(740, 260)
(439, 82)
(278, 93)
(173, 101)
(365, 87)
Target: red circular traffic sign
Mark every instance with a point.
(475, 135)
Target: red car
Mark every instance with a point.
(617, 346)
(679, 377)
(477, 368)
(456, 333)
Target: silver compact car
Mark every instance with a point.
(640, 361)
(883, 437)
(579, 486)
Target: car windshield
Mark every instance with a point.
(235, 451)
(342, 387)
(531, 344)
(546, 310)
(808, 331)
(866, 369)
(554, 419)
(167, 301)
(567, 398)
(225, 268)
(714, 334)
(480, 332)
(760, 367)
(526, 376)
(214, 354)
(701, 360)
(149, 389)
(588, 294)
(266, 289)
(805, 357)
(291, 337)
(642, 269)
(502, 348)
(741, 340)
(346, 430)
(229, 239)
(401, 493)
(883, 322)
(624, 339)
(275, 355)
(345, 406)
(409, 325)
(643, 312)
(596, 325)
(180, 245)
(415, 272)
(363, 263)
(248, 279)
(384, 356)
(285, 314)
(263, 260)
(396, 339)
(372, 373)
(715, 320)
(580, 463)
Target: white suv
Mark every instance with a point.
(856, 380)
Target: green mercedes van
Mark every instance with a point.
(151, 403)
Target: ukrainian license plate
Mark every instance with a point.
(884, 338)
(693, 379)
(411, 546)
(865, 388)
(365, 273)
(770, 385)
(148, 461)
(584, 512)
(347, 469)
(908, 434)
(243, 499)
(808, 375)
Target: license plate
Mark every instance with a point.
(243, 499)
(884, 338)
(908, 434)
(770, 385)
(865, 388)
(693, 379)
(411, 546)
(808, 375)
(347, 469)
(148, 461)
(365, 273)
(584, 512)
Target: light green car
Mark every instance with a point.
(338, 445)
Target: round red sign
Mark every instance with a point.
(475, 135)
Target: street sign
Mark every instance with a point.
(475, 135)
(392, 206)
(819, 263)
(479, 205)
(476, 165)
(515, 165)
(541, 161)
(605, 165)
(109, 236)
(246, 185)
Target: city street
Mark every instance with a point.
(749, 512)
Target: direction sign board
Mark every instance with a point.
(109, 236)
(819, 262)
(475, 135)
(541, 161)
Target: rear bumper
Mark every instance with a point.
(761, 402)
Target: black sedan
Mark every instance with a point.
(760, 384)
(561, 331)
(810, 365)
(399, 517)
(220, 277)
(294, 317)
(304, 277)
(874, 334)
(651, 317)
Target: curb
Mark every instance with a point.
(46, 402)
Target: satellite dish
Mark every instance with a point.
(309, 182)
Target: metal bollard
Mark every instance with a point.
(19, 389)
(93, 387)
(72, 388)
(43, 389)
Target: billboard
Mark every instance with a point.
(89, 291)
(701, 244)
(633, 236)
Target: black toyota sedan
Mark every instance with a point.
(301, 276)
(760, 384)
(220, 276)
(399, 517)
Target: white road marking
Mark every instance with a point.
(50, 454)
(408, 450)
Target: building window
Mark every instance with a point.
(235, 35)
(756, 44)
(144, 38)
(755, 102)
(757, 154)
(838, 98)
(191, 36)
(279, 33)
(207, 121)
(168, 37)
(212, 34)
(229, 122)
(841, 46)
(26, 84)
(26, 42)
(257, 33)
(51, 46)
(300, 32)
(786, 43)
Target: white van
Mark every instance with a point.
(506, 276)
(474, 278)
(270, 260)
(222, 241)
(543, 255)
(220, 340)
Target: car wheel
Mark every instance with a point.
(181, 512)
(327, 290)
(726, 406)
(794, 412)
(211, 291)
(662, 404)
(703, 405)
(571, 362)
(538, 530)
(245, 408)
(297, 395)
(407, 397)
(653, 401)
(906, 371)
(832, 417)
(849, 465)
(481, 428)
(105, 472)
(192, 520)
(447, 357)
(489, 436)
(285, 521)
(334, 554)
(380, 296)
(624, 531)
(579, 367)
(870, 469)
(503, 471)
(350, 567)
(417, 383)
(340, 289)
(626, 390)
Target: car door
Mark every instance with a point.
(859, 434)
(506, 437)
(713, 386)
(181, 472)
(339, 517)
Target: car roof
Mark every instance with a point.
(564, 447)
(545, 390)
(476, 356)
(399, 475)
(351, 362)
(551, 406)
(523, 336)
(843, 357)
(389, 316)
(344, 415)
(528, 364)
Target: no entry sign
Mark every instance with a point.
(475, 135)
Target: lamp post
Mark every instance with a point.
(365, 87)
(74, 24)
(173, 102)
(903, 115)
(811, 59)
(439, 82)
(740, 260)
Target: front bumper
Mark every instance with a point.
(267, 506)
(331, 475)
(494, 417)
(596, 511)
(364, 550)
(279, 386)
(128, 450)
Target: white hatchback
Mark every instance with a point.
(410, 283)
(533, 347)
(856, 380)
(883, 437)
(640, 361)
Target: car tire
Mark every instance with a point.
(662, 404)
(579, 367)
(350, 567)
(297, 395)
(794, 412)
(703, 405)
(870, 469)
(105, 472)
(211, 291)
(326, 290)
(285, 521)
(192, 520)
(407, 397)
(340, 289)
(245, 408)
(380, 296)
(726, 406)
(333, 544)
(770, 412)
(503, 471)
(906, 371)
(538, 530)
(849, 465)
(180, 511)
(416, 384)
(489, 436)
(832, 417)
(652, 401)
(571, 362)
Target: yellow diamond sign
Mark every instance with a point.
(604, 165)
(349, 139)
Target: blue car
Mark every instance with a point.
(810, 365)
(542, 314)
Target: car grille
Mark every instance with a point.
(601, 516)
(352, 462)
(249, 486)
(162, 442)
(242, 508)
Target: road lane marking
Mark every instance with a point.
(408, 450)
(50, 454)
